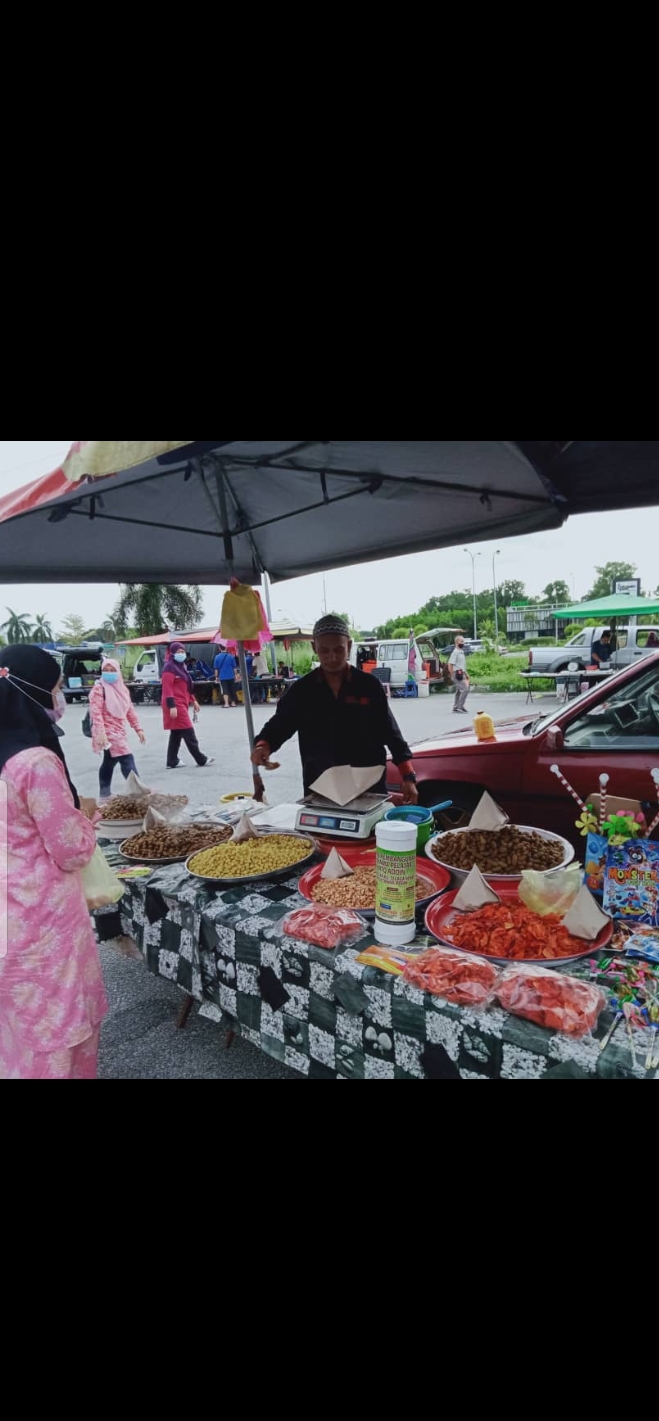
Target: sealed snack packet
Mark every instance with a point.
(458, 977)
(325, 927)
(631, 882)
(551, 1000)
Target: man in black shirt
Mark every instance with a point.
(602, 650)
(342, 717)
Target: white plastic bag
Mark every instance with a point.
(100, 885)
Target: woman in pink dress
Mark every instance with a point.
(112, 711)
(52, 998)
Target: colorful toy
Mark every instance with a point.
(587, 824)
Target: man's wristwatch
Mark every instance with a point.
(412, 779)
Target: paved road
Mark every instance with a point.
(140, 1040)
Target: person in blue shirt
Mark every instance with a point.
(225, 676)
(602, 650)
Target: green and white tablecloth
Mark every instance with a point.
(324, 1014)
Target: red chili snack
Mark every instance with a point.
(325, 927)
(510, 930)
(464, 981)
(548, 999)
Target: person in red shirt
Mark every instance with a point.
(177, 698)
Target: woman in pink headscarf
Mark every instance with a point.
(112, 711)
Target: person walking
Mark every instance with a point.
(459, 677)
(177, 698)
(112, 711)
(52, 998)
(225, 677)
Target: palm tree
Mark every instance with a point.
(153, 608)
(42, 630)
(17, 628)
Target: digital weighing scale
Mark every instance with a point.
(355, 820)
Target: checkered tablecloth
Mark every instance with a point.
(323, 1013)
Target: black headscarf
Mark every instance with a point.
(25, 696)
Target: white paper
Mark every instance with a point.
(153, 820)
(585, 918)
(488, 815)
(134, 786)
(344, 783)
(475, 893)
(336, 867)
(243, 831)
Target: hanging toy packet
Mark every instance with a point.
(631, 882)
(597, 848)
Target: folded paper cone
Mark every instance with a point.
(585, 918)
(344, 783)
(336, 867)
(488, 815)
(153, 819)
(135, 787)
(243, 831)
(475, 893)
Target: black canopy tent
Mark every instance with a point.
(291, 508)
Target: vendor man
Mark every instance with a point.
(341, 715)
(602, 650)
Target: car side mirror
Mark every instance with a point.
(555, 738)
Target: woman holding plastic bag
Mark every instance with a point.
(52, 998)
(112, 712)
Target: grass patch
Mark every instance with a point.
(497, 673)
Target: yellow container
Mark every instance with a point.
(484, 726)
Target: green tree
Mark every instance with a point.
(42, 630)
(509, 592)
(154, 608)
(609, 574)
(556, 592)
(73, 630)
(17, 628)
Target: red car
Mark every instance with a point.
(614, 728)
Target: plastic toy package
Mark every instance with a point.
(631, 882)
(597, 848)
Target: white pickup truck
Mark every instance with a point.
(631, 643)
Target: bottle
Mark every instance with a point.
(484, 726)
(395, 901)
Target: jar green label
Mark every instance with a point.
(395, 899)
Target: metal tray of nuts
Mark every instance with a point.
(272, 877)
(222, 831)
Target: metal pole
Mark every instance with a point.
(473, 557)
(496, 604)
(268, 608)
(259, 787)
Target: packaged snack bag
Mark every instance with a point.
(631, 882)
(597, 848)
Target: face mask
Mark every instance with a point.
(111, 677)
(59, 707)
(180, 657)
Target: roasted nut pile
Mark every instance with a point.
(498, 851)
(359, 890)
(255, 857)
(125, 808)
(174, 843)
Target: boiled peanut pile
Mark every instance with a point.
(358, 891)
(498, 851)
(255, 857)
(174, 843)
(125, 807)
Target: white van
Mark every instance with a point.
(394, 655)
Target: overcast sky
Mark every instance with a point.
(376, 591)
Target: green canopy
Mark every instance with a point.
(610, 607)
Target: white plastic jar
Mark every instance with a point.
(395, 903)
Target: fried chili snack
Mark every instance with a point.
(513, 932)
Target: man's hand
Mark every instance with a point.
(410, 792)
(260, 756)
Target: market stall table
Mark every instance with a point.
(323, 1013)
(565, 679)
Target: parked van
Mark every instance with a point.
(393, 654)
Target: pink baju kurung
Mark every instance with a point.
(52, 998)
(112, 729)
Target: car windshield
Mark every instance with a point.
(627, 717)
(537, 727)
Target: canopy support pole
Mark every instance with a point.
(259, 787)
(268, 608)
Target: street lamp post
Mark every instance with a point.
(496, 603)
(473, 557)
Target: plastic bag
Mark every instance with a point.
(551, 1000)
(101, 886)
(242, 616)
(163, 810)
(456, 976)
(325, 927)
(546, 893)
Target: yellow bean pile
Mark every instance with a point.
(255, 857)
(498, 851)
(359, 890)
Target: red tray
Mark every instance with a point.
(441, 913)
(437, 877)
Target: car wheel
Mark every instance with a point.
(465, 799)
